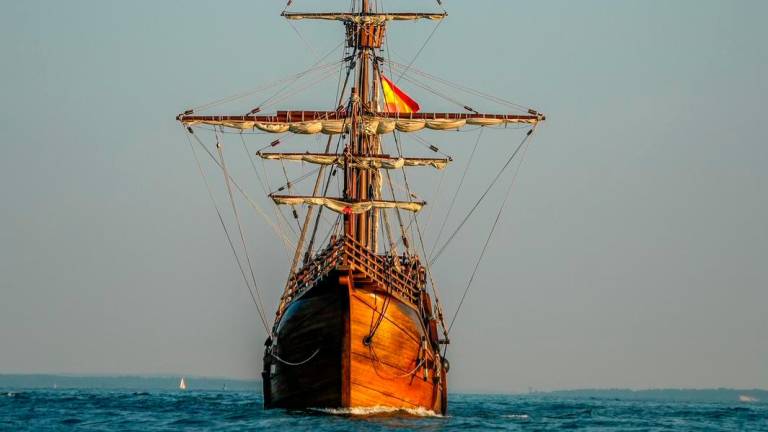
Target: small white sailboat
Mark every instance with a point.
(182, 384)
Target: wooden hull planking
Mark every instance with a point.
(327, 330)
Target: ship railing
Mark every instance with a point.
(320, 265)
(379, 269)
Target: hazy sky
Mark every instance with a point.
(633, 251)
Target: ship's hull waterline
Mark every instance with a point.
(323, 357)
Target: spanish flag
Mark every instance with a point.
(397, 101)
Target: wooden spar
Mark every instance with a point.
(281, 199)
(365, 16)
(303, 116)
(338, 157)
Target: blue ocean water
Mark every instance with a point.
(103, 410)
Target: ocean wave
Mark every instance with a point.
(378, 411)
(173, 411)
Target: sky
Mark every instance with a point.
(632, 251)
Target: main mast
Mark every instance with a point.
(363, 37)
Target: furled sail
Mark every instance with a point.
(377, 123)
(365, 18)
(347, 207)
(370, 162)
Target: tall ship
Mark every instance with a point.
(359, 322)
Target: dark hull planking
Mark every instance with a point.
(326, 329)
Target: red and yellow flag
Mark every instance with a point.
(397, 101)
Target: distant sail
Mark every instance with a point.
(182, 384)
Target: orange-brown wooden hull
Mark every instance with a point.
(397, 367)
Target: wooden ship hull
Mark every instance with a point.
(352, 340)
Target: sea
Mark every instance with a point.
(224, 409)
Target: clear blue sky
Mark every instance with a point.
(632, 253)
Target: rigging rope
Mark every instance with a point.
(420, 50)
(456, 194)
(290, 183)
(427, 264)
(488, 189)
(435, 92)
(302, 235)
(306, 43)
(487, 240)
(331, 174)
(270, 101)
(289, 186)
(263, 187)
(251, 202)
(278, 209)
(376, 360)
(287, 5)
(316, 67)
(220, 150)
(341, 88)
(437, 196)
(432, 147)
(403, 232)
(226, 232)
(461, 87)
(374, 327)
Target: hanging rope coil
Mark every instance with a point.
(285, 362)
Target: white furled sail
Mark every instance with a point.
(380, 123)
(370, 162)
(347, 207)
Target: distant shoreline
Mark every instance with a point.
(124, 382)
(727, 395)
(164, 382)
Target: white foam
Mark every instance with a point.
(747, 398)
(517, 416)
(379, 410)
